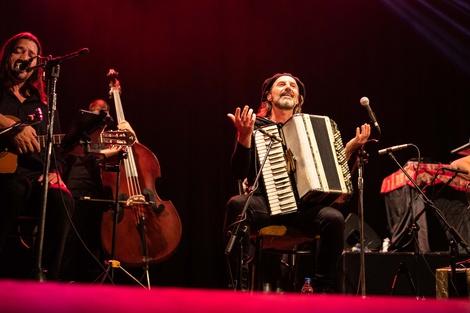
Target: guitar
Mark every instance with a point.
(9, 160)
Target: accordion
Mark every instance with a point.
(309, 165)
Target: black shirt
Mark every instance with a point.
(30, 166)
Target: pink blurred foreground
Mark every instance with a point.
(27, 296)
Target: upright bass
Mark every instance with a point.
(148, 230)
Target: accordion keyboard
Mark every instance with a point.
(278, 185)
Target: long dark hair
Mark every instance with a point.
(34, 84)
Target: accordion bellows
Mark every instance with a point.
(308, 166)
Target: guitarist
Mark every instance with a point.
(21, 94)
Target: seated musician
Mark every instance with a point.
(21, 95)
(282, 96)
(83, 178)
(83, 173)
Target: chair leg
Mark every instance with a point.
(293, 271)
(256, 267)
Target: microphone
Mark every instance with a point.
(22, 65)
(59, 60)
(365, 103)
(83, 51)
(395, 148)
(455, 170)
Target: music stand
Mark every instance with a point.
(82, 125)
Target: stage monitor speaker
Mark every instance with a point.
(381, 268)
(352, 234)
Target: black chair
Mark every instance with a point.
(25, 230)
(286, 241)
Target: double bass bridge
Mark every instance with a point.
(136, 199)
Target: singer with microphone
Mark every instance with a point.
(22, 95)
(282, 96)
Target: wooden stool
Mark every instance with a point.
(279, 239)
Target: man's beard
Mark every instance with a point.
(285, 103)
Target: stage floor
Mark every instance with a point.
(31, 296)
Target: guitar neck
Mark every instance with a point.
(56, 139)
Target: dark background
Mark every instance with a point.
(184, 65)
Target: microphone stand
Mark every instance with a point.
(238, 230)
(52, 76)
(52, 72)
(457, 238)
(119, 204)
(362, 159)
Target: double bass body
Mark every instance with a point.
(148, 229)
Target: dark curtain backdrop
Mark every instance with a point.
(184, 65)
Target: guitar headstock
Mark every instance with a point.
(114, 82)
(118, 137)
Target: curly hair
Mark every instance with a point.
(34, 84)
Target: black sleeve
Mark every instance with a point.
(241, 161)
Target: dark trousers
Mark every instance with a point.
(81, 261)
(327, 222)
(83, 251)
(20, 196)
